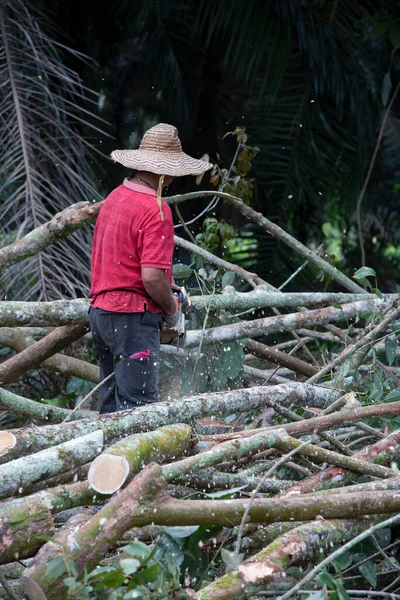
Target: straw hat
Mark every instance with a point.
(160, 152)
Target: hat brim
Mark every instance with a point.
(162, 163)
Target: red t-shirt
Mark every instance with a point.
(129, 234)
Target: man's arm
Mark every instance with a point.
(158, 287)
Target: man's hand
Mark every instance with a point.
(174, 286)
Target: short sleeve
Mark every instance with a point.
(158, 240)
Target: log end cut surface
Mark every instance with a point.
(32, 590)
(7, 442)
(108, 473)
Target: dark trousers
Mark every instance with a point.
(120, 340)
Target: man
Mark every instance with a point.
(131, 276)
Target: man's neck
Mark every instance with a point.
(151, 179)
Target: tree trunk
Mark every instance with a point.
(24, 471)
(111, 469)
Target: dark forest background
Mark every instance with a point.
(309, 80)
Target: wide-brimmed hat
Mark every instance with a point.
(160, 152)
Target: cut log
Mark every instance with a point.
(20, 526)
(188, 409)
(111, 470)
(24, 471)
(7, 442)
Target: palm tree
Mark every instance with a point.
(45, 162)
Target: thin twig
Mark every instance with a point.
(89, 395)
(280, 462)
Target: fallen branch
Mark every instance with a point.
(36, 410)
(384, 451)
(35, 354)
(277, 232)
(280, 358)
(19, 339)
(147, 418)
(62, 224)
(290, 322)
(293, 548)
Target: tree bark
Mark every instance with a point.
(121, 461)
(35, 354)
(292, 548)
(24, 471)
(290, 322)
(44, 314)
(147, 418)
(234, 449)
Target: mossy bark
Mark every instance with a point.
(137, 450)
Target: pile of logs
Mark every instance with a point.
(134, 468)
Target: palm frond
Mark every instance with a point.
(45, 162)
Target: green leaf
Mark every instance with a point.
(383, 537)
(181, 532)
(225, 493)
(390, 349)
(231, 561)
(392, 396)
(99, 571)
(129, 565)
(181, 271)
(343, 595)
(137, 549)
(56, 568)
(228, 278)
(326, 579)
(344, 560)
(368, 571)
(364, 272)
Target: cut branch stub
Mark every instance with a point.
(7, 442)
(111, 469)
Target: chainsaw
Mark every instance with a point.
(172, 335)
